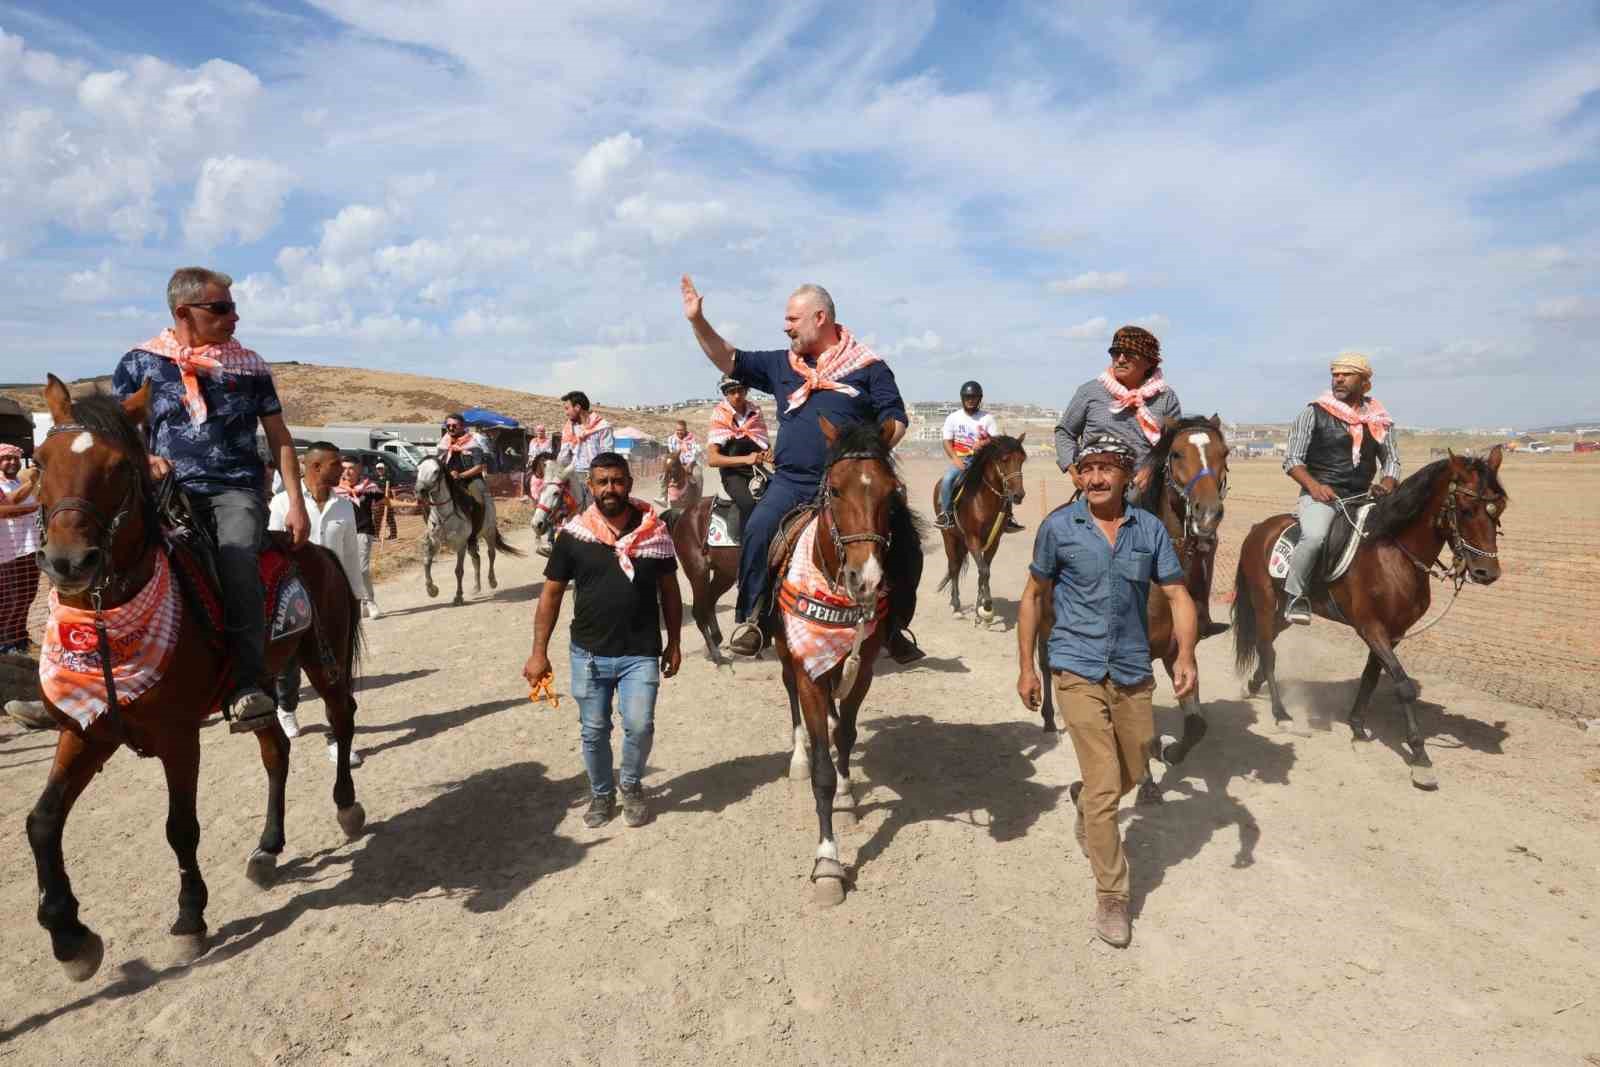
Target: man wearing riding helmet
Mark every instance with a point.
(1337, 444)
(965, 431)
(825, 373)
(737, 443)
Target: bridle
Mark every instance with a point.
(107, 583)
(1185, 496)
(565, 503)
(1447, 523)
(1004, 491)
(839, 540)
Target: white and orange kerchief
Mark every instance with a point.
(1369, 416)
(818, 623)
(230, 357)
(727, 424)
(846, 357)
(649, 540)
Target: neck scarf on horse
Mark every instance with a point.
(574, 435)
(649, 540)
(193, 362)
(1369, 416)
(819, 623)
(727, 424)
(1123, 398)
(142, 634)
(846, 357)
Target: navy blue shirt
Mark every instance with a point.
(802, 450)
(220, 453)
(1102, 592)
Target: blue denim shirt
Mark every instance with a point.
(1102, 592)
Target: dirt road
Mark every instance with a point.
(1296, 900)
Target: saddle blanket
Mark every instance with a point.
(1338, 552)
(726, 528)
(819, 624)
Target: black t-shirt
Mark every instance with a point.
(613, 616)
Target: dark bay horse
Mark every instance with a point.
(850, 548)
(100, 547)
(711, 571)
(1188, 482)
(1456, 501)
(985, 493)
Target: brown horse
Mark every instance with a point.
(1455, 501)
(101, 539)
(986, 491)
(711, 571)
(681, 484)
(850, 549)
(1188, 482)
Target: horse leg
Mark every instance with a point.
(181, 763)
(722, 579)
(262, 865)
(494, 532)
(461, 562)
(1358, 711)
(78, 949)
(427, 565)
(338, 695)
(477, 567)
(704, 610)
(1406, 688)
(827, 873)
(844, 733)
(955, 551)
(800, 760)
(1047, 703)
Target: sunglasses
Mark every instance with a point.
(1118, 355)
(216, 307)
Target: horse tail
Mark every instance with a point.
(1244, 613)
(502, 545)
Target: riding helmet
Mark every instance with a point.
(971, 389)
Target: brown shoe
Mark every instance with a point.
(1111, 923)
(1077, 826)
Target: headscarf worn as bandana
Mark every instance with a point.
(1108, 444)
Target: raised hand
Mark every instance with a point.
(692, 300)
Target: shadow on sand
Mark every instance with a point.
(483, 840)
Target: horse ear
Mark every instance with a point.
(137, 406)
(1215, 421)
(1493, 459)
(829, 432)
(58, 400)
(1169, 424)
(886, 435)
(1021, 437)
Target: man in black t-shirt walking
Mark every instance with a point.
(619, 554)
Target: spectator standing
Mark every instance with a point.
(364, 496)
(19, 540)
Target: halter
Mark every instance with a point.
(107, 583)
(840, 540)
(1185, 495)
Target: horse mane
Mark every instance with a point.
(103, 415)
(995, 448)
(1150, 500)
(1400, 508)
(860, 438)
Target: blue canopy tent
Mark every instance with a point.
(484, 418)
(508, 440)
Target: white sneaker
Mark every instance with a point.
(370, 609)
(333, 755)
(290, 724)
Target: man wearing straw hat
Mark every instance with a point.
(1336, 446)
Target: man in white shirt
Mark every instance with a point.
(965, 431)
(19, 574)
(333, 526)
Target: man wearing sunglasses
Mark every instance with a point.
(208, 393)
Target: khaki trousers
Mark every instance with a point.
(1112, 727)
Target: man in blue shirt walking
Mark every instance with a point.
(1099, 556)
(825, 372)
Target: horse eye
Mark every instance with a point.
(833, 491)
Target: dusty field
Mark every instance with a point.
(1297, 900)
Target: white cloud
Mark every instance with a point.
(1567, 309)
(1088, 329)
(605, 161)
(91, 286)
(238, 198)
(927, 341)
(1092, 282)
(353, 231)
(667, 221)
(476, 322)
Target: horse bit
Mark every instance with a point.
(840, 540)
(1448, 522)
(105, 582)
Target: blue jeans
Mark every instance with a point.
(782, 496)
(630, 682)
(947, 486)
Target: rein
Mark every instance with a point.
(1448, 522)
(839, 540)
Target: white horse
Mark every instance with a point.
(554, 506)
(455, 521)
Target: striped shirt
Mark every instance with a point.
(582, 454)
(1090, 413)
(1300, 442)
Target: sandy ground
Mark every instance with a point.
(1296, 899)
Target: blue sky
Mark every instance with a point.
(508, 193)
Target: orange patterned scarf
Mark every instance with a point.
(574, 435)
(846, 357)
(1369, 416)
(1123, 398)
(143, 634)
(726, 424)
(230, 357)
(650, 539)
(818, 623)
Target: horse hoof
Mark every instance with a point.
(1359, 733)
(828, 892)
(1424, 779)
(457, 602)
(261, 868)
(186, 948)
(1149, 794)
(352, 820)
(493, 584)
(83, 966)
(1292, 728)
(433, 591)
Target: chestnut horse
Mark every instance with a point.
(99, 547)
(1188, 482)
(1456, 501)
(851, 547)
(987, 490)
(711, 571)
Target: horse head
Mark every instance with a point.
(551, 507)
(95, 501)
(1196, 454)
(430, 473)
(858, 489)
(1007, 461)
(1470, 513)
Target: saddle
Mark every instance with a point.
(1338, 551)
(726, 528)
